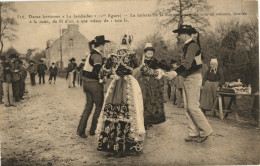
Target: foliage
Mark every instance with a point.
(9, 52)
(183, 11)
(7, 24)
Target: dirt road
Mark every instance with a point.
(41, 130)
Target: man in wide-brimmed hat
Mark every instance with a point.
(71, 72)
(32, 69)
(41, 68)
(53, 72)
(80, 68)
(23, 75)
(1, 77)
(91, 85)
(7, 84)
(191, 63)
(15, 67)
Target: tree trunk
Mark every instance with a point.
(2, 44)
(179, 47)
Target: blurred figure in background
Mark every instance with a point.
(7, 84)
(23, 75)
(41, 68)
(213, 79)
(32, 71)
(15, 68)
(53, 73)
(1, 79)
(80, 68)
(71, 73)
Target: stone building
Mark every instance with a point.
(71, 44)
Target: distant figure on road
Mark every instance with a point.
(32, 71)
(7, 85)
(80, 68)
(71, 73)
(1, 79)
(41, 68)
(53, 72)
(23, 75)
(15, 68)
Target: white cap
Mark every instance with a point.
(148, 45)
(213, 61)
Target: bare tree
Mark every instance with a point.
(180, 11)
(7, 23)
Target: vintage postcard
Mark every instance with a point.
(129, 82)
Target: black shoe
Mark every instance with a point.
(201, 139)
(191, 138)
(82, 135)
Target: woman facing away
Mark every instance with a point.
(152, 89)
(120, 128)
(213, 79)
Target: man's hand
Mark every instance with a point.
(171, 75)
(161, 73)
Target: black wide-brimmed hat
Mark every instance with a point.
(173, 61)
(149, 47)
(100, 40)
(2, 58)
(185, 29)
(72, 59)
(31, 61)
(20, 61)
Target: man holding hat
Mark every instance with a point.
(41, 68)
(93, 89)
(191, 63)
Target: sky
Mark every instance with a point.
(32, 35)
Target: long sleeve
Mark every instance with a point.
(221, 74)
(205, 78)
(188, 60)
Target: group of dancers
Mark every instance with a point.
(134, 98)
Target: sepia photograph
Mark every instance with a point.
(129, 82)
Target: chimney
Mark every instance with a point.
(73, 28)
(64, 31)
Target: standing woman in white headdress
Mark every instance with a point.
(120, 127)
(213, 79)
(152, 89)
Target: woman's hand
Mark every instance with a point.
(171, 75)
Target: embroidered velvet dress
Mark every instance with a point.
(152, 90)
(121, 124)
